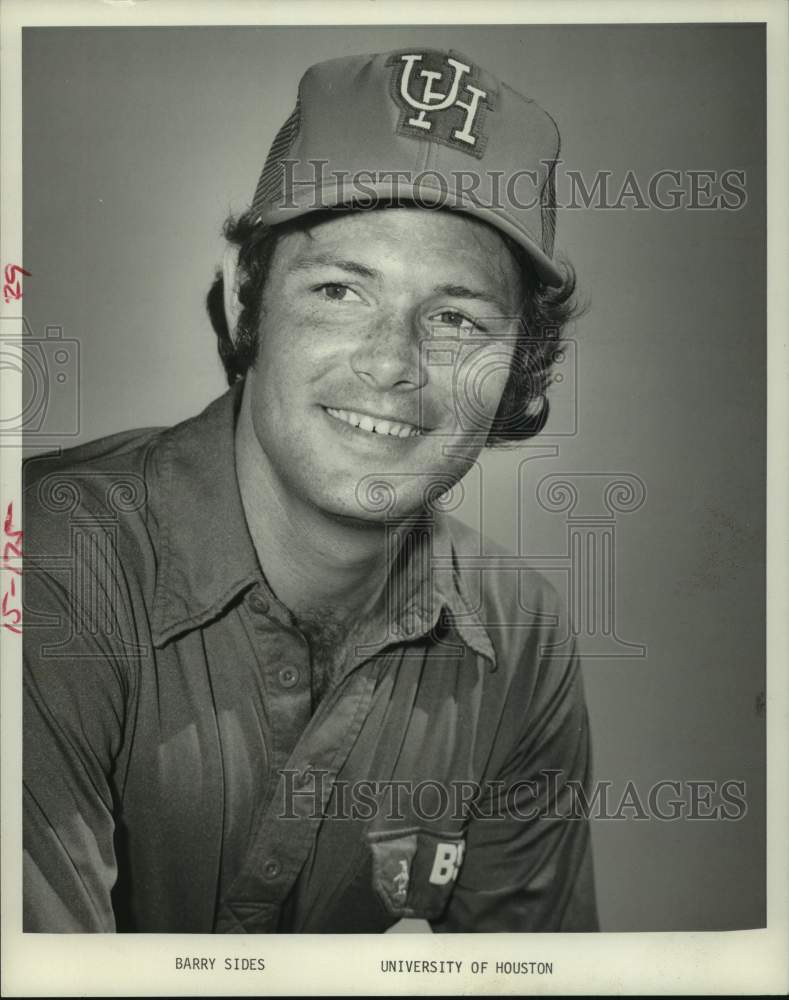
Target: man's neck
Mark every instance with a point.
(311, 560)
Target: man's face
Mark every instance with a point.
(385, 343)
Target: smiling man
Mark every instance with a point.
(270, 685)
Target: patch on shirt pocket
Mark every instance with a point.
(414, 872)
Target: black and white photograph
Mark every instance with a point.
(387, 534)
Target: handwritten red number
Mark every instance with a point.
(8, 531)
(11, 611)
(12, 289)
(17, 552)
(15, 547)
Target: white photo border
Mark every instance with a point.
(733, 962)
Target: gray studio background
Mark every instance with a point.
(137, 142)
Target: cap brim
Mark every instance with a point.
(320, 197)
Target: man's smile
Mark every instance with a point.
(342, 384)
(373, 424)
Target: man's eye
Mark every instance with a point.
(451, 318)
(336, 292)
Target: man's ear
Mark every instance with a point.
(230, 288)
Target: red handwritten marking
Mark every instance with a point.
(17, 552)
(15, 545)
(7, 520)
(12, 289)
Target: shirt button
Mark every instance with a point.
(258, 603)
(271, 869)
(288, 677)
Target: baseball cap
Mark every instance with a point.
(420, 126)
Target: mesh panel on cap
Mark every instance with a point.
(270, 183)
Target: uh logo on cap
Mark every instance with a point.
(450, 107)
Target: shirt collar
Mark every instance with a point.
(426, 589)
(205, 551)
(207, 557)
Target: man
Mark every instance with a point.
(270, 684)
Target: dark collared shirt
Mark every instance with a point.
(177, 776)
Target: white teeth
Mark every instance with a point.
(384, 427)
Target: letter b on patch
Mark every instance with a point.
(447, 862)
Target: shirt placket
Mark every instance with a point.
(284, 661)
(306, 754)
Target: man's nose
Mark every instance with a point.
(388, 356)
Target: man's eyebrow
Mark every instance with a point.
(325, 260)
(464, 292)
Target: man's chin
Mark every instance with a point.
(376, 502)
(352, 514)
